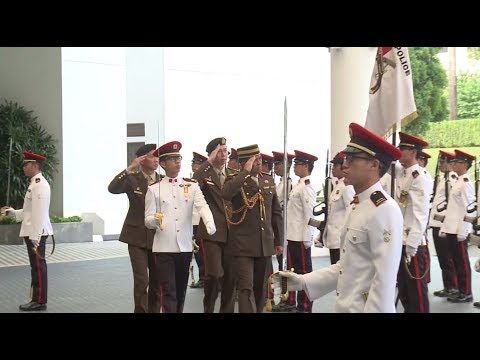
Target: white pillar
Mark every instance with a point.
(351, 70)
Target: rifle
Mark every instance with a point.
(475, 202)
(327, 188)
(435, 181)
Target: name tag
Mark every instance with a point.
(138, 192)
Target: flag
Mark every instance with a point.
(391, 91)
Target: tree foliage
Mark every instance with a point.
(468, 96)
(21, 126)
(429, 83)
(473, 53)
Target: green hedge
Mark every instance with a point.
(6, 220)
(453, 133)
(59, 219)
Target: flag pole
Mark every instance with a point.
(285, 179)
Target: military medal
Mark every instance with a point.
(185, 189)
(402, 200)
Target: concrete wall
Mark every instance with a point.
(32, 77)
(94, 137)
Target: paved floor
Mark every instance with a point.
(97, 278)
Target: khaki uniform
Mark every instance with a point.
(255, 229)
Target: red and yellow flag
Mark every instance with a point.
(391, 91)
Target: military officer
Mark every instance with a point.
(219, 265)
(300, 205)
(135, 183)
(456, 228)
(278, 163)
(278, 168)
(371, 238)
(437, 216)
(233, 160)
(255, 220)
(199, 253)
(340, 198)
(169, 206)
(267, 164)
(413, 189)
(35, 228)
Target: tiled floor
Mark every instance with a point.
(97, 278)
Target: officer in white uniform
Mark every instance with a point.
(413, 190)
(445, 181)
(340, 198)
(371, 239)
(300, 205)
(36, 228)
(456, 228)
(278, 168)
(199, 252)
(169, 206)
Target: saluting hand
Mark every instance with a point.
(213, 155)
(136, 163)
(249, 164)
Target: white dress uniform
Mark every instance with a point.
(340, 198)
(35, 216)
(417, 203)
(439, 201)
(461, 194)
(300, 205)
(371, 243)
(175, 198)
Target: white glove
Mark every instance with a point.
(308, 244)
(5, 210)
(210, 227)
(295, 282)
(410, 251)
(442, 234)
(477, 265)
(317, 241)
(461, 238)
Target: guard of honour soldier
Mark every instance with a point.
(234, 215)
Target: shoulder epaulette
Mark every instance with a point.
(378, 197)
(189, 180)
(307, 181)
(415, 174)
(465, 179)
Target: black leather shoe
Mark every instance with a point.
(476, 304)
(33, 306)
(283, 307)
(460, 298)
(198, 284)
(445, 292)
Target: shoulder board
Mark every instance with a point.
(307, 181)
(189, 180)
(415, 174)
(465, 179)
(378, 198)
